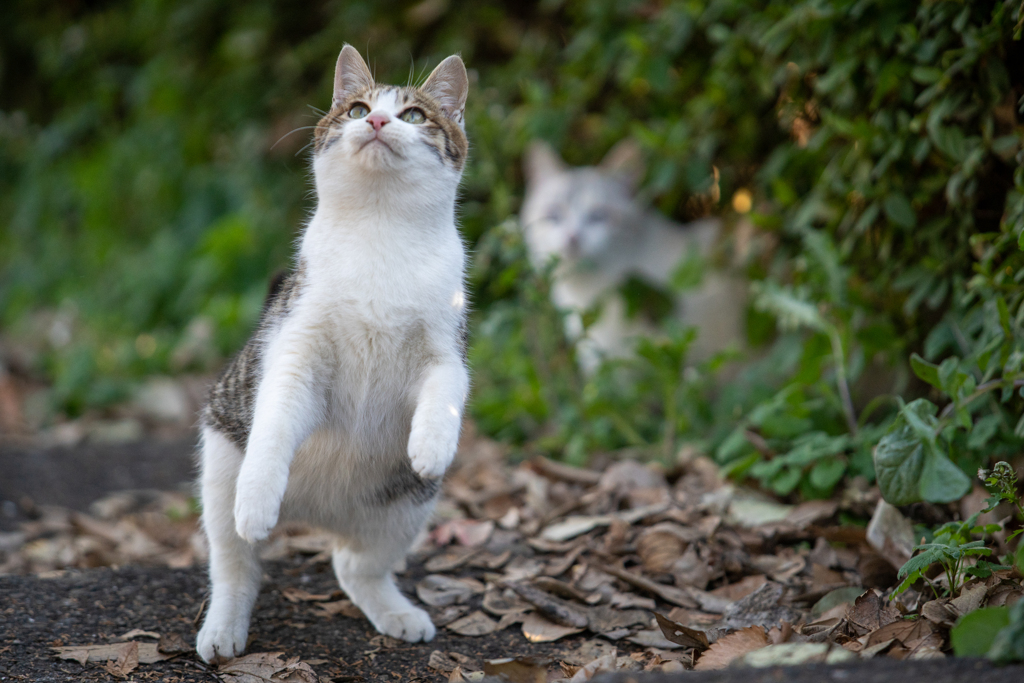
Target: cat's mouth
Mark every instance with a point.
(373, 140)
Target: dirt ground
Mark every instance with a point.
(97, 606)
(101, 604)
(83, 563)
(75, 476)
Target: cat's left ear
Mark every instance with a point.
(449, 85)
(626, 163)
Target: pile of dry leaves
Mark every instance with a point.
(661, 572)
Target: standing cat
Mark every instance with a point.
(344, 408)
(588, 219)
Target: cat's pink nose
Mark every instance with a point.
(378, 120)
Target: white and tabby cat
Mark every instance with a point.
(588, 219)
(344, 408)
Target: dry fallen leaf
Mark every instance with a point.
(573, 526)
(345, 608)
(438, 590)
(173, 644)
(732, 646)
(537, 629)
(970, 599)
(518, 669)
(796, 654)
(298, 595)
(504, 602)
(475, 624)
(554, 609)
(466, 532)
(680, 634)
(449, 614)
(138, 633)
(264, 667)
(652, 637)
(605, 663)
(760, 608)
(441, 662)
(147, 652)
(870, 612)
(126, 662)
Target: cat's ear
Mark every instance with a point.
(448, 83)
(541, 162)
(351, 75)
(625, 162)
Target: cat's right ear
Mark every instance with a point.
(541, 162)
(351, 75)
(625, 162)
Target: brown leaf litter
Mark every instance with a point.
(681, 568)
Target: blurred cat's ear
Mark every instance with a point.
(541, 162)
(448, 83)
(351, 75)
(625, 162)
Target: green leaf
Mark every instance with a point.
(827, 472)
(942, 481)
(898, 209)
(900, 455)
(975, 632)
(933, 552)
(899, 460)
(1009, 642)
(929, 372)
(984, 429)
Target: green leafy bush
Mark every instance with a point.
(153, 175)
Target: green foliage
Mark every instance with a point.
(910, 463)
(951, 546)
(974, 632)
(1008, 645)
(993, 632)
(151, 167)
(952, 543)
(1001, 482)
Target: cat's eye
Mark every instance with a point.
(358, 111)
(413, 115)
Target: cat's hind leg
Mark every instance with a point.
(234, 566)
(364, 566)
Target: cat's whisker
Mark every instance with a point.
(305, 147)
(293, 131)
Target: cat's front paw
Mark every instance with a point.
(255, 515)
(430, 452)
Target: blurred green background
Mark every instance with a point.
(154, 174)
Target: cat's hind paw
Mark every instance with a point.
(412, 626)
(221, 639)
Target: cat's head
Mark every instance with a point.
(381, 131)
(579, 215)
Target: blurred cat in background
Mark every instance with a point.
(588, 220)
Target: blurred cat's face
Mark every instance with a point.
(576, 215)
(392, 129)
(579, 216)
